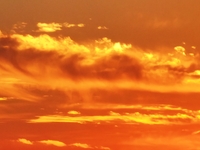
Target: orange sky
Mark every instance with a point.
(99, 75)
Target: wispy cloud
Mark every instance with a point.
(70, 25)
(81, 145)
(18, 27)
(53, 142)
(173, 142)
(53, 27)
(25, 141)
(179, 118)
(158, 23)
(86, 146)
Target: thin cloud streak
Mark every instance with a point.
(53, 142)
(25, 141)
(132, 118)
(53, 27)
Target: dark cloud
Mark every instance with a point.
(110, 68)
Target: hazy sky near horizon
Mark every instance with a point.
(99, 74)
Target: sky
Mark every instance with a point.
(99, 75)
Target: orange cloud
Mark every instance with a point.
(48, 27)
(53, 142)
(102, 28)
(69, 25)
(18, 27)
(53, 27)
(36, 61)
(86, 146)
(73, 112)
(173, 142)
(25, 141)
(81, 145)
(164, 23)
(136, 117)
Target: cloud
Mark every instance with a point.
(86, 146)
(53, 27)
(69, 25)
(158, 23)
(3, 98)
(18, 27)
(98, 71)
(81, 145)
(53, 142)
(48, 27)
(137, 117)
(25, 141)
(102, 28)
(168, 141)
(102, 66)
(73, 112)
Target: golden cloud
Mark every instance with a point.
(53, 142)
(73, 112)
(133, 118)
(102, 28)
(48, 27)
(86, 146)
(28, 60)
(81, 145)
(25, 141)
(70, 25)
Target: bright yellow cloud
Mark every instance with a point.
(73, 112)
(25, 141)
(101, 64)
(48, 27)
(136, 117)
(53, 142)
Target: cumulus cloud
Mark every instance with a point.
(53, 142)
(101, 64)
(99, 71)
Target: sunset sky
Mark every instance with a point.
(100, 74)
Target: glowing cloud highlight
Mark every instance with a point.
(53, 142)
(25, 141)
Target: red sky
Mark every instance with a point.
(99, 75)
